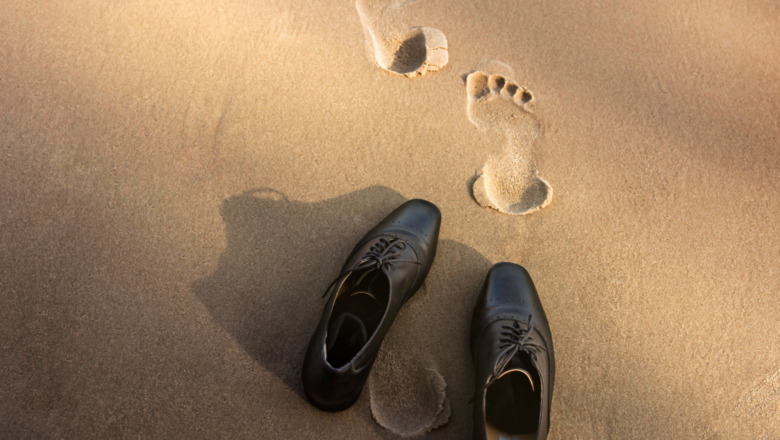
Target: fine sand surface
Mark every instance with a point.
(180, 181)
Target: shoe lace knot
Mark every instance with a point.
(380, 256)
(383, 253)
(514, 339)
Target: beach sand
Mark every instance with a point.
(181, 180)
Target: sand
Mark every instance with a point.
(181, 180)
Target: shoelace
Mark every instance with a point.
(380, 256)
(513, 340)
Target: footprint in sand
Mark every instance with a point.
(396, 47)
(509, 181)
(412, 387)
(756, 415)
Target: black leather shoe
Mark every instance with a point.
(512, 350)
(383, 271)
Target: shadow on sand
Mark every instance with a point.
(282, 254)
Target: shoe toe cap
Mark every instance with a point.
(418, 220)
(509, 291)
(509, 284)
(420, 215)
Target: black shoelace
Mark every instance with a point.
(380, 256)
(513, 340)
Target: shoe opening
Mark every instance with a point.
(359, 308)
(513, 402)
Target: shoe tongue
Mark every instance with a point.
(521, 363)
(525, 373)
(355, 331)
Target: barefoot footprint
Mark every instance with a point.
(509, 181)
(396, 47)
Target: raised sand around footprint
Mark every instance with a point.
(397, 47)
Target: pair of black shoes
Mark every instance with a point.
(511, 343)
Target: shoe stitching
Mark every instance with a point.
(409, 225)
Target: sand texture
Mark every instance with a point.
(180, 181)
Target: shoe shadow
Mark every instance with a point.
(280, 257)
(282, 254)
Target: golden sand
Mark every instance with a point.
(181, 180)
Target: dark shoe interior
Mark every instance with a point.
(360, 305)
(513, 401)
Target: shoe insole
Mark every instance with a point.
(346, 336)
(512, 404)
(495, 434)
(357, 313)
